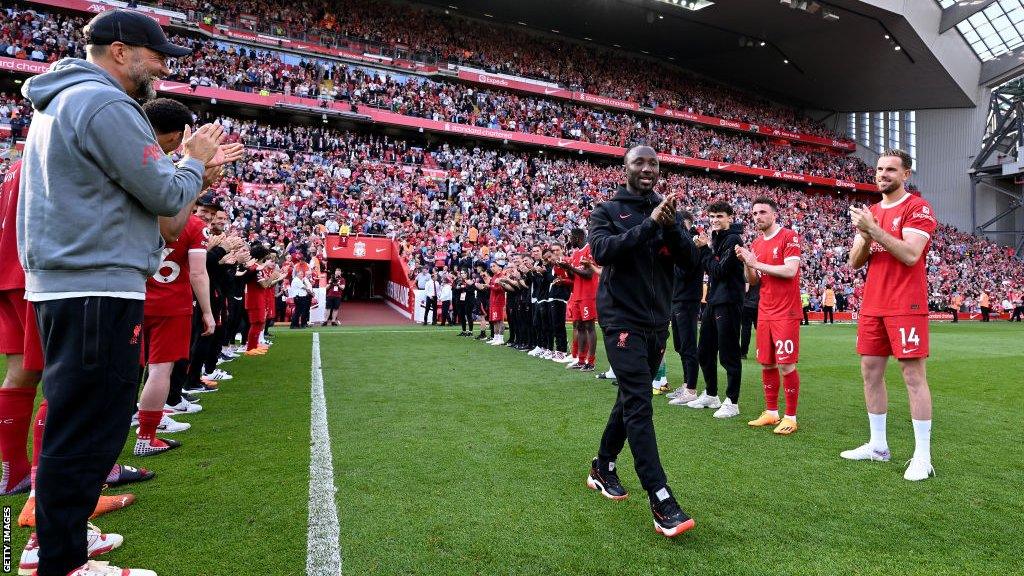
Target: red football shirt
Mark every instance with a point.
(12, 277)
(780, 297)
(893, 288)
(169, 292)
(584, 289)
(497, 292)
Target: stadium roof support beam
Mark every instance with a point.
(1006, 138)
(959, 12)
(1001, 69)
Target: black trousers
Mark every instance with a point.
(542, 325)
(446, 313)
(193, 367)
(431, 306)
(469, 308)
(806, 321)
(684, 339)
(1018, 312)
(956, 314)
(556, 317)
(748, 320)
(237, 321)
(830, 317)
(90, 381)
(985, 311)
(720, 343)
(300, 316)
(635, 357)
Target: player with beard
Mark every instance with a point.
(638, 239)
(773, 261)
(893, 237)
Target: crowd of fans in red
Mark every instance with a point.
(448, 38)
(489, 203)
(481, 205)
(238, 68)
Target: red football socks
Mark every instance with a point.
(148, 421)
(37, 439)
(791, 387)
(770, 379)
(15, 416)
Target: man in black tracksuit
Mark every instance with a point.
(689, 288)
(637, 237)
(720, 325)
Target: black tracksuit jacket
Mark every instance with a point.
(725, 270)
(639, 259)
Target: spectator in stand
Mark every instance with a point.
(301, 292)
(828, 306)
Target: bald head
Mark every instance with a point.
(642, 170)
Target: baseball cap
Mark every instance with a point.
(208, 199)
(132, 28)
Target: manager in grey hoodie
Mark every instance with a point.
(94, 180)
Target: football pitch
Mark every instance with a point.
(453, 457)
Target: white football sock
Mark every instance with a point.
(774, 413)
(923, 439)
(877, 423)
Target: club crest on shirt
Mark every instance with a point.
(359, 249)
(895, 223)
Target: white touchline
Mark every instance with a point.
(323, 549)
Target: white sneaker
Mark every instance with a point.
(97, 542)
(728, 410)
(218, 374)
(557, 356)
(571, 360)
(660, 383)
(567, 359)
(705, 401)
(918, 469)
(606, 375)
(94, 568)
(498, 341)
(536, 351)
(169, 425)
(866, 452)
(183, 407)
(682, 396)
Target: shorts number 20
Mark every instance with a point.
(783, 347)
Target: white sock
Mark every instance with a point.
(877, 423)
(774, 413)
(793, 417)
(923, 439)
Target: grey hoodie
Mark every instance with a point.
(93, 181)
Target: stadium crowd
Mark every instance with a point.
(485, 205)
(447, 38)
(235, 67)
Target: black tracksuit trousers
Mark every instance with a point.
(720, 342)
(684, 338)
(91, 351)
(635, 357)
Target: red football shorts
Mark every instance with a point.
(19, 333)
(778, 341)
(167, 337)
(497, 313)
(899, 336)
(584, 310)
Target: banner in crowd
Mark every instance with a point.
(97, 7)
(254, 189)
(358, 248)
(27, 66)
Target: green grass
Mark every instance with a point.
(452, 457)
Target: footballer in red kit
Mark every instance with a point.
(892, 239)
(167, 328)
(773, 261)
(582, 307)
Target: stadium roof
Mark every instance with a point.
(844, 55)
(995, 30)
